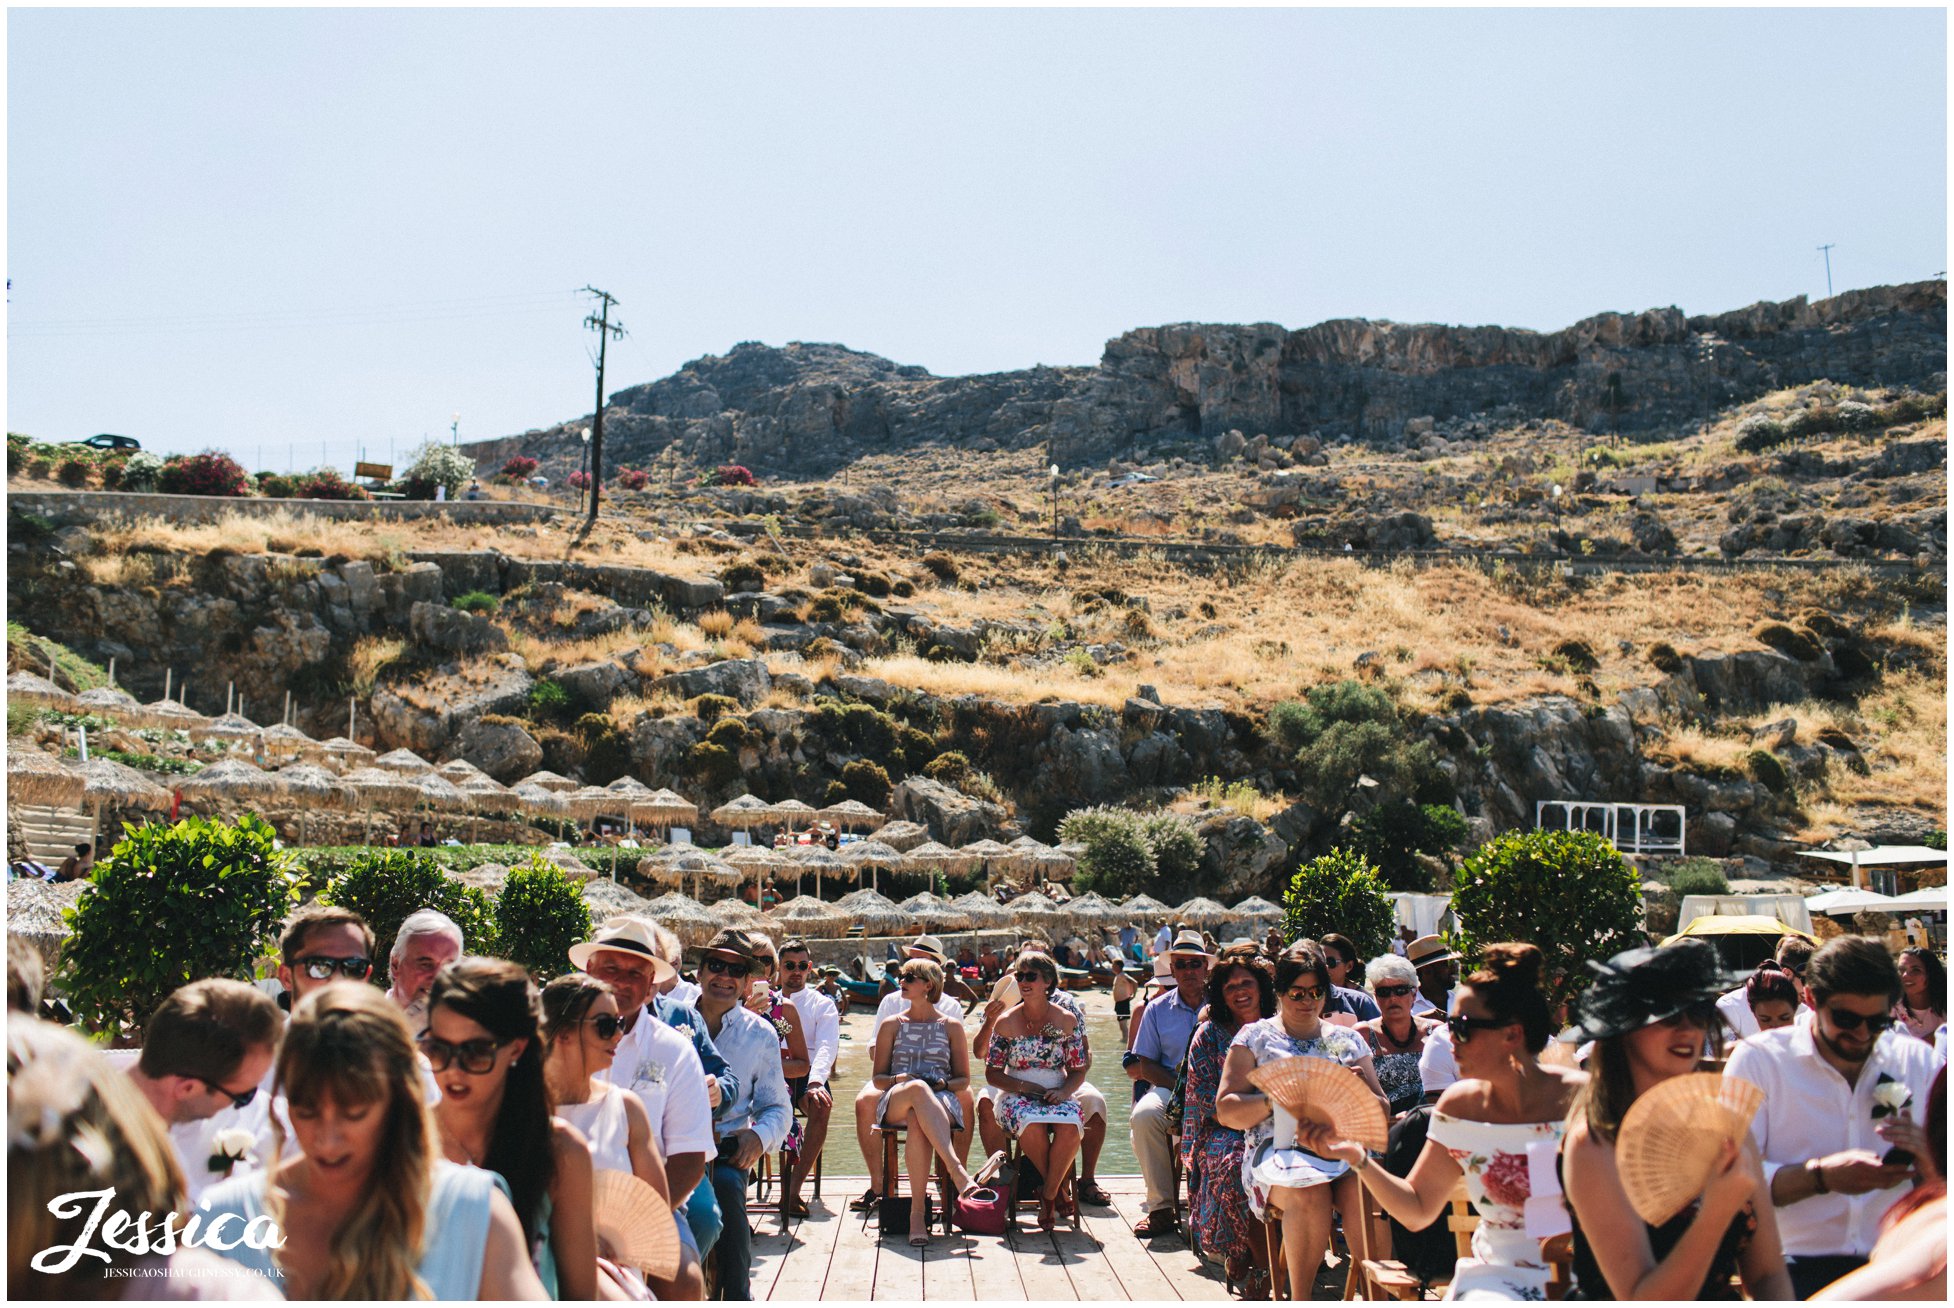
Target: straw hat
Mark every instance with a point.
(1325, 1093)
(1006, 990)
(634, 1223)
(627, 933)
(1670, 1137)
(1426, 950)
(926, 947)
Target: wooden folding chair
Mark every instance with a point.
(894, 1177)
(1068, 1198)
(1559, 1252)
(1372, 1277)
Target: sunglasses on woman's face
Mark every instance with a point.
(1028, 975)
(1393, 992)
(1462, 1026)
(1305, 995)
(1702, 1014)
(605, 1025)
(477, 1057)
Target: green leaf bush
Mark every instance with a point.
(1347, 730)
(1129, 853)
(539, 914)
(1394, 834)
(173, 904)
(1341, 891)
(1569, 892)
(384, 886)
(1698, 876)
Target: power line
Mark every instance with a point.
(606, 329)
(259, 320)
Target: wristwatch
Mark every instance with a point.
(1818, 1177)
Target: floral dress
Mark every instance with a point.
(1211, 1152)
(1046, 1058)
(1499, 1160)
(776, 1015)
(1397, 1069)
(1267, 1163)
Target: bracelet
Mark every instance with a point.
(1363, 1162)
(1818, 1177)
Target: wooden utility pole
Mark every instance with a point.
(606, 329)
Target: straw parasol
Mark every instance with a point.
(743, 813)
(345, 752)
(629, 787)
(404, 761)
(485, 795)
(932, 857)
(1034, 910)
(808, 917)
(756, 862)
(169, 714)
(548, 781)
(994, 857)
(232, 728)
(438, 793)
(108, 699)
(30, 689)
(1257, 909)
(674, 864)
(985, 912)
(230, 782)
(310, 786)
(878, 914)
(664, 808)
(736, 912)
(935, 914)
(108, 784)
(684, 916)
(37, 778)
(283, 742)
(1145, 909)
(537, 801)
(871, 854)
(592, 802)
(608, 899)
(459, 770)
(818, 859)
(1049, 865)
(1204, 914)
(380, 788)
(852, 813)
(487, 877)
(1022, 850)
(902, 835)
(791, 813)
(1093, 910)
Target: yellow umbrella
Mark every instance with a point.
(1738, 924)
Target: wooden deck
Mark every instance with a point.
(831, 1256)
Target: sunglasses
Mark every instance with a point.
(475, 1056)
(606, 1025)
(237, 1100)
(1393, 992)
(1875, 1025)
(764, 961)
(1703, 1014)
(320, 968)
(799, 965)
(1304, 995)
(1190, 964)
(1028, 975)
(1462, 1027)
(724, 967)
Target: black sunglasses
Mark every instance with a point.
(724, 967)
(1875, 1025)
(1190, 964)
(237, 1100)
(1702, 1013)
(1462, 1027)
(1393, 992)
(475, 1056)
(605, 1024)
(797, 965)
(320, 968)
(1028, 974)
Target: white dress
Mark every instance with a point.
(602, 1120)
(1270, 1157)
(1501, 1162)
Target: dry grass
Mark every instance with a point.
(538, 650)
(716, 625)
(1691, 749)
(368, 655)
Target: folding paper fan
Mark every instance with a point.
(1326, 1093)
(1006, 989)
(634, 1225)
(1670, 1138)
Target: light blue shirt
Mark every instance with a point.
(1166, 1030)
(751, 1047)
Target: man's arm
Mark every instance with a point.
(1143, 1063)
(688, 1022)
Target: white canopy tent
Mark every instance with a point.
(1845, 901)
(1931, 899)
(1878, 856)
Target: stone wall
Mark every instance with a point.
(67, 507)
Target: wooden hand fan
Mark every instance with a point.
(1329, 1094)
(634, 1224)
(1670, 1137)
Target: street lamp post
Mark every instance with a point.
(1556, 508)
(583, 467)
(454, 428)
(1055, 508)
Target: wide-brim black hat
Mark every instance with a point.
(1640, 986)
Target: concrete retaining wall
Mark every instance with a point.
(67, 507)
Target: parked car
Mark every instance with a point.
(107, 442)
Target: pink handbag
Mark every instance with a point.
(980, 1213)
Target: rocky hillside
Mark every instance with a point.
(807, 409)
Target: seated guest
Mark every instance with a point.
(1485, 1127)
(1438, 970)
(484, 1041)
(76, 1126)
(755, 1120)
(1650, 1013)
(1348, 1004)
(1297, 1184)
(1922, 1007)
(868, 1099)
(367, 1207)
(821, 1021)
(1396, 1038)
(921, 1060)
(1240, 990)
(1166, 1028)
(1037, 1060)
(77, 865)
(1771, 995)
(1827, 1117)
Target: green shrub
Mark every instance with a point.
(142, 471)
(276, 486)
(711, 765)
(1569, 892)
(1177, 849)
(1799, 642)
(903, 588)
(1577, 654)
(710, 708)
(173, 904)
(1392, 836)
(1935, 839)
(866, 782)
(384, 886)
(546, 696)
(1346, 730)
(1760, 432)
(1767, 770)
(476, 601)
(949, 767)
(1341, 892)
(1117, 860)
(729, 733)
(606, 746)
(74, 470)
(71, 670)
(1697, 876)
(539, 915)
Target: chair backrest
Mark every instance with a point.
(1558, 1250)
(1463, 1221)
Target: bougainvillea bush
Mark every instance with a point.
(209, 473)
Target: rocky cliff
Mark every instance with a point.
(806, 409)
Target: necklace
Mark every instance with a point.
(1397, 1045)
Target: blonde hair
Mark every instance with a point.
(348, 1042)
(75, 1123)
(929, 970)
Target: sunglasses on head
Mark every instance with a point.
(724, 967)
(475, 1056)
(320, 968)
(237, 1100)
(1462, 1027)
(1876, 1024)
(605, 1025)
(1393, 992)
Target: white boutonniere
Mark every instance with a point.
(1889, 1097)
(229, 1148)
(650, 1072)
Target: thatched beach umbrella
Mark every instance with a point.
(792, 814)
(674, 865)
(230, 729)
(662, 809)
(930, 857)
(629, 787)
(736, 912)
(27, 688)
(818, 859)
(459, 770)
(852, 813)
(985, 912)
(37, 778)
(34, 914)
(684, 916)
(438, 794)
(230, 783)
(485, 795)
(172, 716)
(592, 802)
(608, 899)
(537, 801)
(902, 835)
(1260, 911)
(756, 862)
(1036, 911)
(744, 813)
(1093, 911)
(376, 787)
(878, 914)
(283, 743)
(548, 781)
(307, 786)
(1145, 910)
(346, 753)
(1205, 914)
(935, 914)
(108, 784)
(807, 917)
(404, 761)
(873, 855)
(114, 703)
(1050, 866)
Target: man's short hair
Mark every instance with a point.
(1795, 952)
(1853, 965)
(205, 1028)
(424, 922)
(26, 980)
(314, 917)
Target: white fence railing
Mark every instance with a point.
(1632, 828)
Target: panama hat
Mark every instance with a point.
(1189, 941)
(625, 934)
(927, 947)
(1426, 950)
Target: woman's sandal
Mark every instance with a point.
(1047, 1218)
(919, 1239)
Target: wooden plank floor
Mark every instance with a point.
(831, 1256)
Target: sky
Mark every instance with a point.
(305, 234)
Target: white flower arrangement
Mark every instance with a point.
(1889, 1097)
(230, 1147)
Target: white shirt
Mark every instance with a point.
(686, 993)
(821, 1024)
(661, 1066)
(893, 1003)
(1809, 1111)
(1437, 1067)
(1735, 1007)
(1421, 1005)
